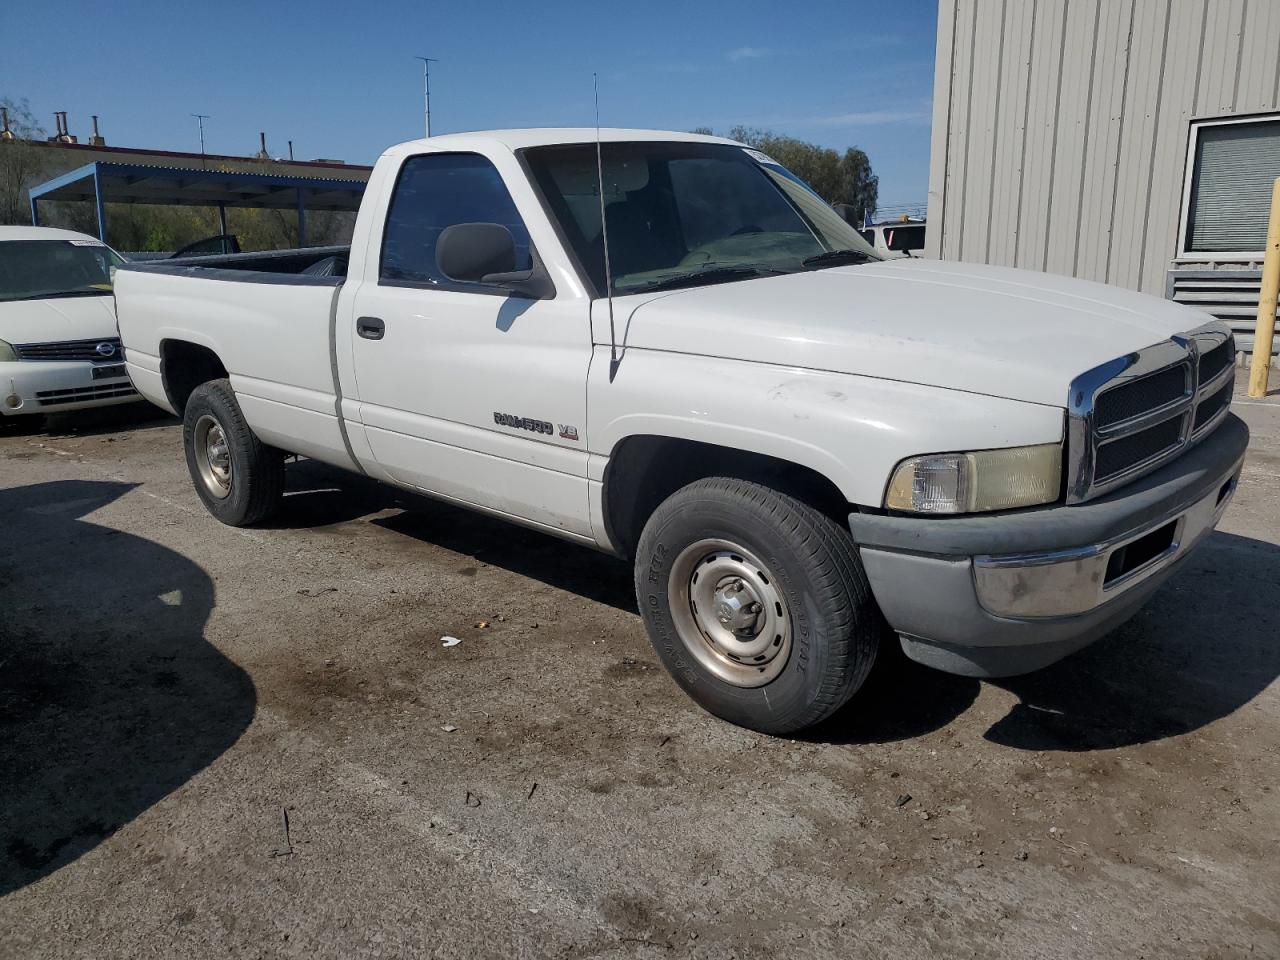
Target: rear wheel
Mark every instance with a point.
(239, 478)
(756, 603)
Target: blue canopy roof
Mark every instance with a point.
(104, 182)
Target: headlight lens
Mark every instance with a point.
(979, 481)
(6, 352)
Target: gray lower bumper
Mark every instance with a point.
(1028, 588)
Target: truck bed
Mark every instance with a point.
(319, 266)
(267, 318)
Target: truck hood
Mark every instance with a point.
(990, 330)
(62, 318)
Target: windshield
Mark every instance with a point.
(681, 213)
(42, 269)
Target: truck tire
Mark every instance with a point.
(756, 603)
(239, 478)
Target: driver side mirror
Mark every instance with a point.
(486, 253)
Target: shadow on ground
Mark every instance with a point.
(1204, 646)
(110, 698)
(318, 496)
(89, 423)
(1200, 649)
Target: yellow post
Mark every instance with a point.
(1265, 332)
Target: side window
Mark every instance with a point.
(435, 191)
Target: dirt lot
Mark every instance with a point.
(171, 689)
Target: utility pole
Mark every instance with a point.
(200, 119)
(426, 89)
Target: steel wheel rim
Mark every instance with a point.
(714, 586)
(213, 457)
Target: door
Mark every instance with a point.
(464, 390)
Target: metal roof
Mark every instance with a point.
(180, 186)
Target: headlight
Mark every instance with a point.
(6, 352)
(978, 481)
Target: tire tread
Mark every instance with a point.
(840, 587)
(264, 476)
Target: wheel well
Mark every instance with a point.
(183, 367)
(645, 470)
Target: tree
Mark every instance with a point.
(859, 186)
(22, 165)
(836, 178)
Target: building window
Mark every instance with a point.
(1232, 165)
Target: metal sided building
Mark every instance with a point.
(1131, 142)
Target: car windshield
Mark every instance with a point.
(43, 269)
(685, 213)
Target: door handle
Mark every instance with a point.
(371, 328)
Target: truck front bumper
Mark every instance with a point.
(999, 595)
(52, 386)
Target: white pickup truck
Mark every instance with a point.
(804, 450)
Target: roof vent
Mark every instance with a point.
(63, 135)
(97, 140)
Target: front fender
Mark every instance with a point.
(852, 430)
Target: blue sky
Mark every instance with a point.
(339, 79)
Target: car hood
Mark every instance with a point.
(990, 330)
(61, 318)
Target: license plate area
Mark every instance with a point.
(112, 372)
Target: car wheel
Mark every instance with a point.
(239, 478)
(756, 603)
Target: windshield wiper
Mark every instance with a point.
(836, 257)
(723, 274)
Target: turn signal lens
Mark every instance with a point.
(6, 352)
(977, 482)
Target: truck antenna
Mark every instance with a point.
(604, 236)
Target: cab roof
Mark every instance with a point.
(518, 139)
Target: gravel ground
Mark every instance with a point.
(251, 743)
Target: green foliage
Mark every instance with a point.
(837, 178)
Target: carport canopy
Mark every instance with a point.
(103, 182)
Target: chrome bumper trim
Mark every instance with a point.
(1064, 583)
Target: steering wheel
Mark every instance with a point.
(747, 228)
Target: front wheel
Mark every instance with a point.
(756, 603)
(239, 478)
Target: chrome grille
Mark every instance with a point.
(101, 350)
(1207, 410)
(1217, 359)
(1120, 456)
(1135, 413)
(1140, 397)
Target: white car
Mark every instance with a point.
(59, 348)
(799, 445)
